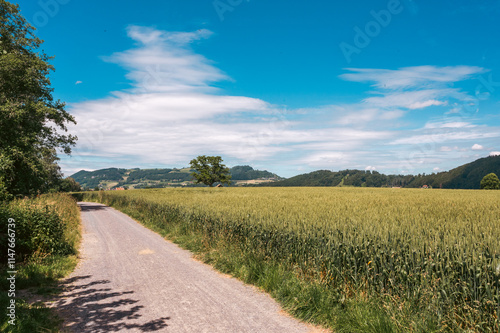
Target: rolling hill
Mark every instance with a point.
(467, 176)
(147, 178)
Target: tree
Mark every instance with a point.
(210, 170)
(490, 182)
(69, 185)
(32, 124)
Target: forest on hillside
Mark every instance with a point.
(467, 176)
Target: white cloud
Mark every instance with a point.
(449, 124)
(78, 82)
(424, 104)
(495, 153)
(439, 137)
(416, 99)
(409, 77)
(436, 169)
(163, 62)
(148, 35)
(371, 168)
(357, 115)
(454, 110)
(477, 147)
(325, 159)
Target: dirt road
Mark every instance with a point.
(130, 279)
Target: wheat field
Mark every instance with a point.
(432, 251)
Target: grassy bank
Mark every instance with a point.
(356, 260)
(47, 235)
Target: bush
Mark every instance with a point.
(39, 230)
(490, 182)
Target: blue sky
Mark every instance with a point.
(396, 86)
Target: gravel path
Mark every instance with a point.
(130, 279)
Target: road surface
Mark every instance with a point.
(130, 279)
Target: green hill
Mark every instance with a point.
(246, 172)
(91, 179)
(467, 176)
(358, 178)
(142, 178)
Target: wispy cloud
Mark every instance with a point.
(449, 124)
(164, 62)
(411, 77)
(447, 136)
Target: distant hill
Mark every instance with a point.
(467, 176)
(246, 172)
(358, 178)
(142, 178)
(92, 179)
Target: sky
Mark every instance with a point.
(396, 86)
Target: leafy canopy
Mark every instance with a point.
(490, 182)
(69, 185)
(32, 124)
(210, 170)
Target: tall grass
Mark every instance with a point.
(46, 240)
(425, 259)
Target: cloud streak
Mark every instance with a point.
(412, 77)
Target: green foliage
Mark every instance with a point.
(4, 193)
(165, 175)
(35, 266)
(430, 259)
(210, 170)
(345, 178)
(29, 317)
(31, 121)
(490, 182)
(39, 229)
(246, 172)
(69, 185)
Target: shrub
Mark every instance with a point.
(490, 182)
(39, 230)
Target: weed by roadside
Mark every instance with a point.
(47, 235)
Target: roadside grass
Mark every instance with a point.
(29, 317)
(39, 271)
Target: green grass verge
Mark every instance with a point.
(39, 273)
(41, 277)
